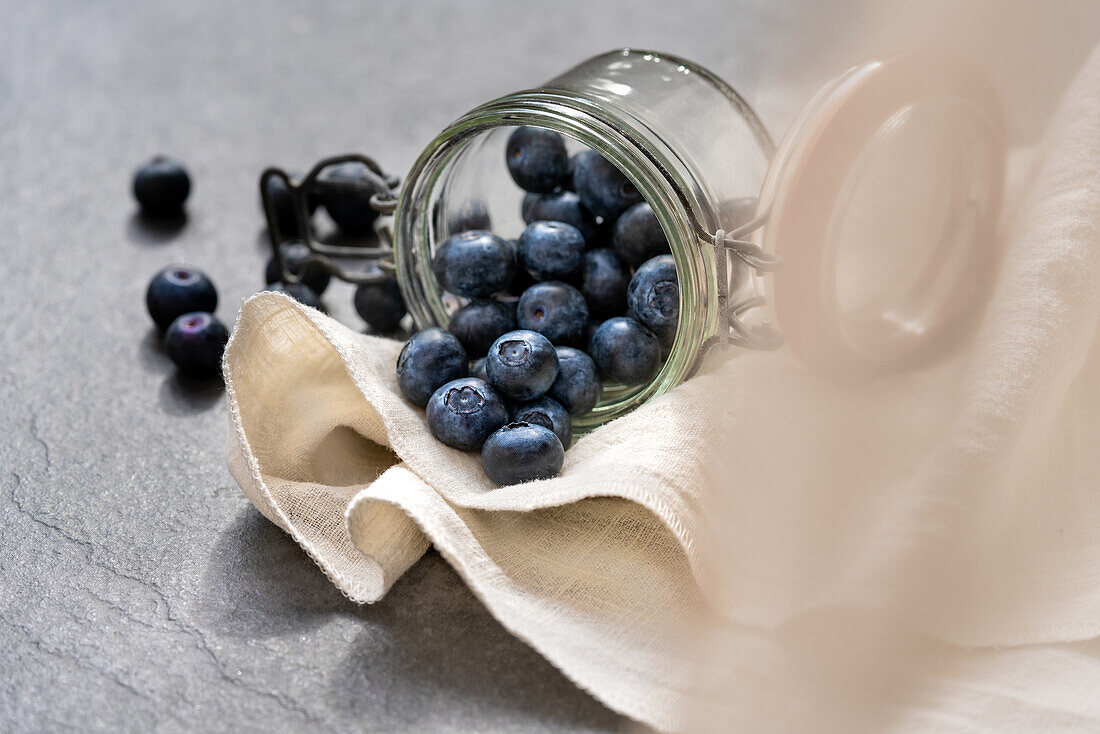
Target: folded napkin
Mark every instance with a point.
(959, 501)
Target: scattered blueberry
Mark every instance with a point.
(638, 236)
(463, 412)
(547, 413)
(300, 292)
(602, 187)
(604, 280)
(625, 351)
(477, 369)
(556, 310)
(177, 290)
(161, 186)
(471, 215)
(349, 207)
(551, 250)
(478, 324)
(522, 365)
(295, 255)
(521, 452)
(577, 386)
(474, 264)
(380, 304)
(430, 359)
(536, 159)
(563, 206)
(196, 342)
(654, 297)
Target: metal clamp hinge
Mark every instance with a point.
(383, 188)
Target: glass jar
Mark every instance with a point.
(865, 239)
(692, 147)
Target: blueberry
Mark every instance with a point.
(349, 207)
(638, 236)
(564, 206)
(556, 310)
(567, 185)
(477, 369)
(521, 452)
(593, 326)
(380, 304)
(474, 264)
(547, 413)
(577, 386)
(602, 238)
(474, 214)
(478, 324)
(177, 290)
(536, 159)
(654, 297)
(522, 280)
(430, 359)
(522, 365)
(295, 255)
(604, 280)
(526, 208)
(602, 187)
(551, 250)
(161, 186)
(196, 342)
(300, 292)
(463, 412)
(277, 193)
(625, 351)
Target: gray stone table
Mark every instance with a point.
(139, 590)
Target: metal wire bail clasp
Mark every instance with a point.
(383, 188)
(732, 326)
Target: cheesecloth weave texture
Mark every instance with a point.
(325, 446)
(960, 499)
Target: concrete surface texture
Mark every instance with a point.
(139, 590)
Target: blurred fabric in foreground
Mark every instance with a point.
(920, 552)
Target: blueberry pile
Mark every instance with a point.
(587, 293)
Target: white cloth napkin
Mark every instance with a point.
(748, 508)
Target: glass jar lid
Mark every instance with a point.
(881, 203)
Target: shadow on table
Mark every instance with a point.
(428, 638)
(434, 639)
(145, 230)
(178, 394)
(183, 395)
(151, 353)
(259, 583)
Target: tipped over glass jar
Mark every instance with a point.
(864, 241)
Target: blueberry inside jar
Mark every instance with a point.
(631, 134)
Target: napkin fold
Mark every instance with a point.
(959, 501)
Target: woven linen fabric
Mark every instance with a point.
(589, 567)
(958, 503)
